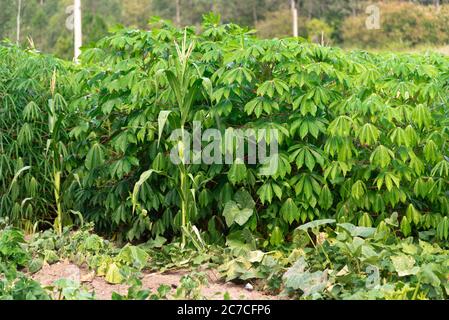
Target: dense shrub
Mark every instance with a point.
(361, 135)
(26, 188)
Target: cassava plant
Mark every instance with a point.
(26, 174)
(361, 135)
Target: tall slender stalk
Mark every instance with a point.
(56, 158)
(184, 90)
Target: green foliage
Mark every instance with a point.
(343, 262)
(17, 286)
(14, 285)
(66, 289)
(358, 263)
(361, 136)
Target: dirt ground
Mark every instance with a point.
(215, 289)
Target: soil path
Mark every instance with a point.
(215, 289)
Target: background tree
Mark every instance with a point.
(44, 20)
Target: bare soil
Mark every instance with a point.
(215, 289)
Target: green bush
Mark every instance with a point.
(361, 135)
(26, 189)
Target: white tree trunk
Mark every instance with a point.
(19, 13)
(78, 33)
(294, 17)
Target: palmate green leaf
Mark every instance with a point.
(259, 105)
(381, 156)
(307, 106)
(431, 153)
(123, 166)
(389, 179)
(221, 94)
(423, 188)
(443, 228)
(421, 116)
(268, 190)
(268, 88)
(237, 173)
(306, 183)
(416, 164)
(400, 137)
(238, 75)
(368, 134)
(120, 142)
(413, 214)
(95, 157)
(289, 211)
(306, 155)
(284, 167)
(441, 169)
(365, 220)
(308, 125)
(31, 112)
(224, 107)
(320, 95)
(326, 199)
(341, 126)
(336, 168)
(358, 189)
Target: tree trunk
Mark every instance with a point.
(178, 13)
(19, 13)
(255, 12)
(78, 33)
(294, 17)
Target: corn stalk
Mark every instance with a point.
(54, 124)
